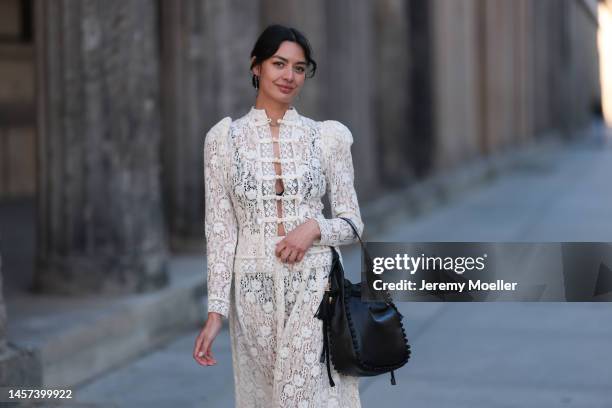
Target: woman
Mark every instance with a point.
(268, 244)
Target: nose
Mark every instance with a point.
(289, 74)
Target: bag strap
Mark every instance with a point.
(386, 296)
(350, 222)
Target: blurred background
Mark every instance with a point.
(472, 120)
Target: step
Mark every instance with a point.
(77, 339)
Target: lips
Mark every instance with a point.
(285, 89)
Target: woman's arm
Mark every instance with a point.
(339, 173)
(220, 224)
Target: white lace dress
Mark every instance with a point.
(276, 340)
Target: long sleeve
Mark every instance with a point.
(339, 173)
(220, 225)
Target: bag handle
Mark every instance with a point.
(386, 296)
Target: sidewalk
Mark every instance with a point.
(476, 355)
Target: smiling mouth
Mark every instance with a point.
(285, 88)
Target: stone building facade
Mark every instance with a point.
(104, 105)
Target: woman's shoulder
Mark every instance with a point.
(218, 130)
(333, 131)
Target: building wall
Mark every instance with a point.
(507, 72)
(424, 86)
(456, 81)
(17, 104)
(392, 60)
(585, 86)
(419, 96)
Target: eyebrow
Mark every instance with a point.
(286, 60)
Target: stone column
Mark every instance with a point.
(350, 78)
(583, 79)
(560, 75)
(205, 76)
(498, 73)
(456, 82)
(422, 121)
(538, 56)
(392, 91)
(100, 215)
(523, 62)
(542, 54)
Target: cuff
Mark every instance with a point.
(325, 226)
(218, 306)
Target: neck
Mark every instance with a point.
(274, 109)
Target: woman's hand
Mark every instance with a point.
(293, 247)
(202, 352)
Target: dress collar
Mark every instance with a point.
(260, 115)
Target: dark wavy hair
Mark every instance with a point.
(270, 40)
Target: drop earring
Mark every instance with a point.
(256, 82)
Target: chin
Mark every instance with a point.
(285, 98)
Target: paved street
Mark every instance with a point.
(464, 355)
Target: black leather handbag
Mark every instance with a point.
(360, 338)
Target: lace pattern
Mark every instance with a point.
(342, 196)
(221, 227)
(276, 340)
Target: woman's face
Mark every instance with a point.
(282, 75)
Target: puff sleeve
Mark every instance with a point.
(220, 224)
(339, 175)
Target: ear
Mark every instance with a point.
(257, 68)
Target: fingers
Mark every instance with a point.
(209, 355)
(289, 252)
(202, 352)
(280, 245)
(286, 254)
(290, 255)
(197, 351)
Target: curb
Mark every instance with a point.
(96, 337)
